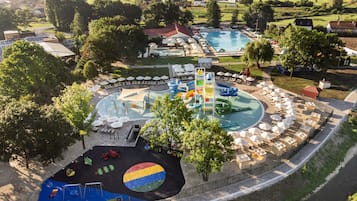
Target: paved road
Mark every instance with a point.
(341, 109)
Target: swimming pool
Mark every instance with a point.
(113, 107)
(226, 40)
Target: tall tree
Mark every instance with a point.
(213, 14)
(258, 51)
(78, 26)
(207, 145)
(309, 48)
(7, 21)
(337, 4)
(258, 14)
(90, 70)
(167, 126)
(186, 17)
(75, 105)
(28, 70)
(234, 19)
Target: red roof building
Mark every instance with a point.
(310, 91)
(174, 30)
(342, 26)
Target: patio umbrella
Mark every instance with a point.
(124, 119)
(282, 125)
(116, 124)
(112, 81)
(147, 78)
(235, 75)
(240, 142)
(267, 135)
(220, 73)
(94, 88)
(275, 117)
(277, 129)
(139, 78)
(130, 78)
(112, 119)
(265, 126)
(271, 86)
(103, 83)
(250, 79)
(283, 95)
(253, 130)
(244, 134)
(156, 78)
(279, 106)
(98, 123)
(228, 74)
(277, 90)
(121, 79)
(164, 77)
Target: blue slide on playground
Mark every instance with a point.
(227, 90)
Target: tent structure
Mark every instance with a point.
(310, 91)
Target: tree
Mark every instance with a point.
(77, 26)
(246, 2)
(309, 48)
(208, 146)
(337, 4)
(213, 14)
(28, 70)
(23, 17)
(186, 17)
(167, 126)
(258, 51)
(7, 21)
(234, 19)
(108, 42)
(258, 14)
(90, 70)
(75, 105)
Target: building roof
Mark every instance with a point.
(343, 24)
(56, 49)
(303, 22)
(168, 31)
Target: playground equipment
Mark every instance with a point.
(93, 187)
(53, 193)
(70, 172)
(88, 161)
(110, 154)
(224, 106)
(74, 191)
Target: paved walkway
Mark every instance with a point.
(341, 109)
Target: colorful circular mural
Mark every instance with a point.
(144, 177)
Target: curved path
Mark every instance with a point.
(341, 110)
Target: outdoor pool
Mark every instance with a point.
(227, 40)
(112, 106)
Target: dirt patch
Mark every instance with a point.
(351, 42)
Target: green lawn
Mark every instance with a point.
(126, 72)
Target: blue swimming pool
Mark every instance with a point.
(226, 40)
(113, 106)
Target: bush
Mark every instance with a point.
(90, 70)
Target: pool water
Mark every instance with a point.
(226, 40)
(113, 107)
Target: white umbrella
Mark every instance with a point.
(283, 95)
(274, 93)
(235, 75)
(275, 117)
(240, 142)
(164, 77)
(265, 126)
(250, 79)
(220, 73)
(228, 74)
(116, 124)
(277, 90)
(279, 106)
(253, 130)
(98, 123)
(112, 81)
(103, 83)
(277, 129)
(266, 88)
(94, 88)
(139, 78)
(256, 139)
(130, 78)
(266, 135)
(244, 134)
(103, 118)
(121, 79)
(282, 125)
(124, 119)
(156, 78)
(147, 78)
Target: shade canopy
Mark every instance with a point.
(310, 91)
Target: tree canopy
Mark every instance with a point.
(207, 145)
(258, 14)
(105, 8)
(28, 70)
(159, 13)
(309, 48)
(213, 14)
(167, 126)
(75, 105)
(7, 21)
(258, 51)
(111, 39)
(29, 130)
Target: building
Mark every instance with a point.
(172, 31)
(11, 34)
(305, 23)
(342, 27)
